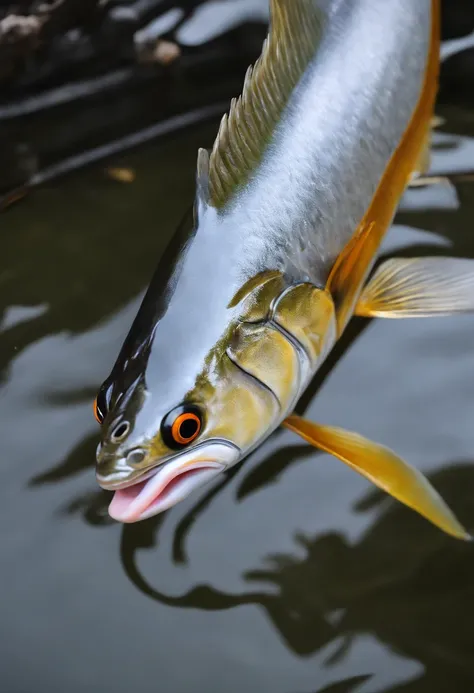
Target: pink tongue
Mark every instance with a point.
(120, 505)
(123, 499)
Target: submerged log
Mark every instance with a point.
(82, 78)
(80, 83)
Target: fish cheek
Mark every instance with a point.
(236, 407)
(157, 449)
(265, 354)
(308, 314)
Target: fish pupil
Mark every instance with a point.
(188, 428)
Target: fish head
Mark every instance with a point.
(208, 369)
(160, 444)
(197, 386)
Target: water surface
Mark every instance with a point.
(291, 575)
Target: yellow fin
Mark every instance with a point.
(295, 29)
(419, 287)
(384, 469)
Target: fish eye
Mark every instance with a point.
(181, 426)
(120, 431)
(100, 405)
(98, 413)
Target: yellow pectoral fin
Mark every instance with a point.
(419, 287)
(383, 468)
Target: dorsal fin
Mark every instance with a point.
(202, 181)
(295, 28)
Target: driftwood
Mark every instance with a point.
(41, 39)
(29, 29)
(42, 43)
(80, 79)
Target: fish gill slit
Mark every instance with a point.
(301, 352)
(253, 378)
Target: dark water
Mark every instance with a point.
(293, 575)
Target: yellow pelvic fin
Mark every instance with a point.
(419, 287)
(383, 468)
(294, 34)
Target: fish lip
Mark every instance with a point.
(129, 481)
(156, 491)
(135, 477)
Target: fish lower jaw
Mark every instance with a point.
(171, 482)
(144, 499)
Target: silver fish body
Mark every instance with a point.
(342, 123)
(305, 199)
(282, 194)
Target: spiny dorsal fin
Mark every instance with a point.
(295, 28)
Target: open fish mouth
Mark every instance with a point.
(171, 483)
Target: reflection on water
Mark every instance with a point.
(290, 573)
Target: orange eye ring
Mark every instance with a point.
(101, 402)
(96, 412)
(186, 428)
(181, 426)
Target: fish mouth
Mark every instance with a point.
(170, 483)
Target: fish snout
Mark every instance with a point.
(114, 468)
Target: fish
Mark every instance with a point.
(277, 253)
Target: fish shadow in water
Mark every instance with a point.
(81, 458)
(91, 505)
(266, 472)
(145, 534)
(405, 582)
(272, 467)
